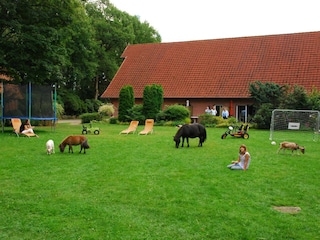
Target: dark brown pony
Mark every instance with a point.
(190, 131)
(74, 140)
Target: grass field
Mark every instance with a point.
(142, 187)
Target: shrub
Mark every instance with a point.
(113, 120)
(231, 121)
(88, 117)
(209, 120)
(187, 120)
(136, 113)
(174, 113)
(72, 103)
(59, 110)
(92, 105)
(263, 116)
(106, 110)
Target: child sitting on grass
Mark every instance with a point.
(243, 161)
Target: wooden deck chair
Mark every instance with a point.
(148, 128)
(16, 124)
(131, 129)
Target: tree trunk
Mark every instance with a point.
(97, 88)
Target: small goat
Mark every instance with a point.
(50, 146)
(290, 145)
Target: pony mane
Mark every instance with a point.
(64, 141)
(179, 133)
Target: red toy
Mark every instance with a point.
(242, 132)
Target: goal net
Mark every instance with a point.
(288, 125)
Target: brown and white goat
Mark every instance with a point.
(290, 145)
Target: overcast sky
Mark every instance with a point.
(187, 20)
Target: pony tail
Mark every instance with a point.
(203, 131)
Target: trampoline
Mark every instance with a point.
(34, 102)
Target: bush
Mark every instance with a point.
(187, 120)
(209, 120)
(231, 121)
(59, 110)
(92, 105)
(172, 123)
(263, 116)
(113, 120)
(72, 103)
(174, 113)
(106, 110)
(216, 121)
(88, 117)
(136, 113)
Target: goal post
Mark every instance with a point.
(286, 121)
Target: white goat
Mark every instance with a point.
(50, 146)
(290, 145)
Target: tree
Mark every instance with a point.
(81, 67)
(263, 116)
(111, 39)
(34, 40)
(74, 43)
(267, 93)
(126, 102)
(71, 102)
(296, 98)
(152, 100)
(143, 32)
(314, 99)
(114, 30)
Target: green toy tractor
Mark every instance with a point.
(90, 129)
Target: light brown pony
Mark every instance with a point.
(74, 140)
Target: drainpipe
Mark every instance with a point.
(231, 108)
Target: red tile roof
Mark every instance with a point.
(219, 68)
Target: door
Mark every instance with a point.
(242, 113)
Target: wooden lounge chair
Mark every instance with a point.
(16, 124)
(131, 129)
(148, 128)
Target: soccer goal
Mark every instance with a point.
(285, 123)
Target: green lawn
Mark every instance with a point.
(142, 187)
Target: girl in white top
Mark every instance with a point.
(243, 161)
(214, 111)
(27, 128)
